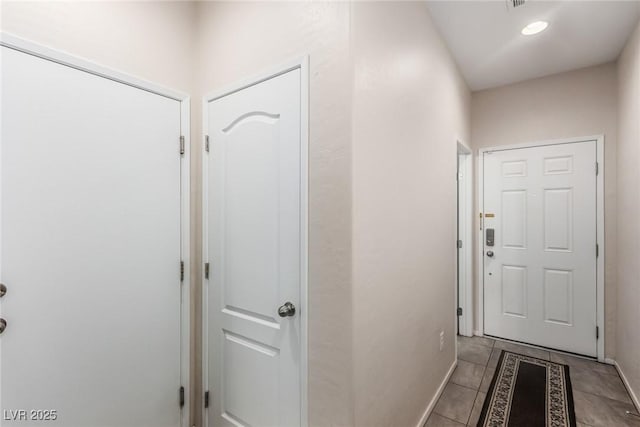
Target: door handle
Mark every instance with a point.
(3, 325)
(287, 310)
(490, 254)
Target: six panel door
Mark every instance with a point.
(540, 283)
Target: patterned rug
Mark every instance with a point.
(527, 392)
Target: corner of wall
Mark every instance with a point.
(628, 200)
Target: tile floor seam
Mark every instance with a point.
(463, 386)
(443, 416)
(472, 406)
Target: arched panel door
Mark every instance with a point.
(255, 250)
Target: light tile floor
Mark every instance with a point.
(598, 392)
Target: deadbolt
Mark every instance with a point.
(3, 290)
(287, 310)
(490, 235)
(3, 325)
(490, 254)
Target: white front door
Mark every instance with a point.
(90, 221)
(255, 250)
(540, 269)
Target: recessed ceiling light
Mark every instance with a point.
(535, 28)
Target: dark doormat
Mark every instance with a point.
(528, 392)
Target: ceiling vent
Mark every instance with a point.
(512, 4)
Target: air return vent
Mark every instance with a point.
(512, 4)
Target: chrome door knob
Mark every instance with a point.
(287, 310)
(490, 254)
(3, 325)
(3, 290)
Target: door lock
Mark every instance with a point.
(287, 310)
(490, 254)
(3, 290)
(3, 325)
(490, 235)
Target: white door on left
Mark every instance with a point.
(90, 235)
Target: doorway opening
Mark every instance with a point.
(464, 180)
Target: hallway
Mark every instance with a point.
(315, 214)
(600, 397)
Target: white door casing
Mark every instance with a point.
(255, 243)
(540, 285)
(465, 233)
(93, 229)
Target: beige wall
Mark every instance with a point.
(410, 105)
(112, 34)
(239, 40)
(571, 104)
(628, 322)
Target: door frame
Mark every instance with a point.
(464, 281)
(600, 240)
(54, 55)
(301, 63)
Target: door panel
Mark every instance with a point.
(90, 217)
(558, 219)
(514, 219)
(558, 296)
(514, 290)
(540, 284)
(250, 381)
(254, 245)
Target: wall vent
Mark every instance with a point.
(512, 4)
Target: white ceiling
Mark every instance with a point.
(485, 39)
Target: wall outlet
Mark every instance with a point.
(441, 340)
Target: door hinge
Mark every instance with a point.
(597, 168)
(181, 396)
(597, 250)
(206, 270)
(206, 399)
(206, 143)
(181, 145)
(459, 311)
(597, 332)
(459, 244)
(181, 271)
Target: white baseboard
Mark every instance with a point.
(434, 400)
(477, 333)
(634, 398)
(609, 361)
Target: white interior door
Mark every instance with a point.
(90, 234)
(540, 282)
(255, 249)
